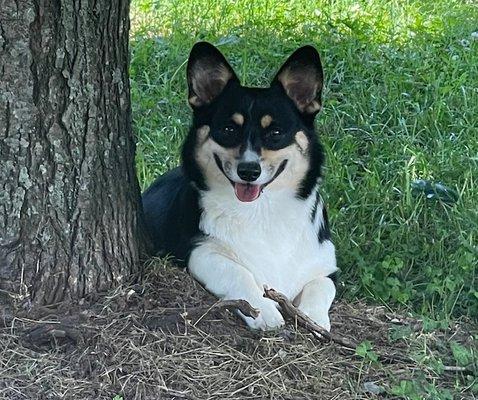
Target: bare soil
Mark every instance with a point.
(157, 340)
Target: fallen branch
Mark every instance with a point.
(304, 320)
(169, 317)
(321, 333)
(232, 305)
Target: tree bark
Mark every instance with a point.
(69, 198)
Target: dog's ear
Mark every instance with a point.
(208, 74)
(302, 78)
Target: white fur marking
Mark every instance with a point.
(316, 299)
(270, 241)
(250, 156)
(221, 273)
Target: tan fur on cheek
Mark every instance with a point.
(202, 134)
(204, 147)
(302, 141)
(297, 163)
(275, 156)
(204, 155)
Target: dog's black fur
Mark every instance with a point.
(171, 204)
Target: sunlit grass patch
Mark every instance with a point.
(401, 101)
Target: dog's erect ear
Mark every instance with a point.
(208, 74)
(302, 78)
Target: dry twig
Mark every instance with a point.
(232, 305)
(305, 321)
(318, 331)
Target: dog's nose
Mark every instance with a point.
(248, 171)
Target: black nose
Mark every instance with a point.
(248, 171)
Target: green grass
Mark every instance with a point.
(401, 103)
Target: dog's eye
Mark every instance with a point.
(274, 133)
(229, 130)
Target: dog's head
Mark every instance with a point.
(252, 139)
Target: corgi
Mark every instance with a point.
(243, 211)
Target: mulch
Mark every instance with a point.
(165, 339)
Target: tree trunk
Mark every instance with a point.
(69, 197)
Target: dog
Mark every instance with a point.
(243, 211)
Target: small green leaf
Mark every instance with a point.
(400, 332)
(461, 354)
(365, 351)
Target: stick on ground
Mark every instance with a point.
(232, 305)
(304, 320)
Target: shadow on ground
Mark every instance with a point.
(158, 341)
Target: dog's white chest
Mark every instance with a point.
(272, 237)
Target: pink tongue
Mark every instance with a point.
(246, 191)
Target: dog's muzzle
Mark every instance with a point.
(249, 172)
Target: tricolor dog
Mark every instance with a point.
(243, 211)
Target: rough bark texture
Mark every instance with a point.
(69, 198)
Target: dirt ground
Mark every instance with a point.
(158, 341)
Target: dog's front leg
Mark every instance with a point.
(223, 276)
(316, 299)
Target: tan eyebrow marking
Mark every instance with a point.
(238, 118)
(266, 120)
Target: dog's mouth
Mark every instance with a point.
(247, 192)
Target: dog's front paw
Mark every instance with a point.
(269, 316)
(320, 317)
